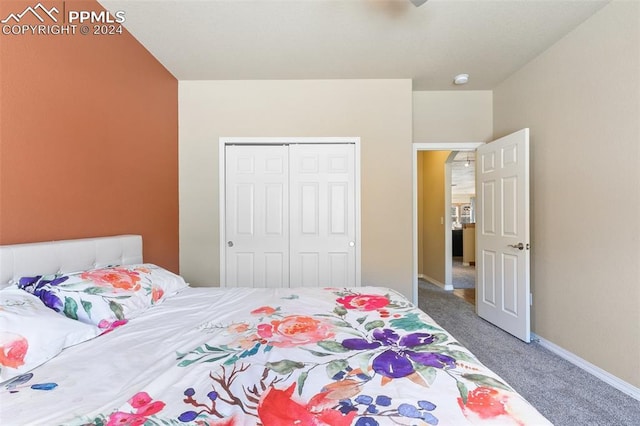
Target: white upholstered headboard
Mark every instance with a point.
(20, 260)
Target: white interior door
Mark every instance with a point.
(502, 233)
(323, 217)
(257, 216)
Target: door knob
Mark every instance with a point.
(519, 246)
(351, 244)
(230, 243)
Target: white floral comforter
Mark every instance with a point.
(361, 356)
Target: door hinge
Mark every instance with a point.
(530, 299)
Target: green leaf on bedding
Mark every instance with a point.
(340, 311)
(332, 346)
(216, 358)
(301, 379)
(251, 351)
(86, 305)
(412, 322)
(409, 322)
(285, 366)
(373, 324)
(316, 353)
(212, 348)
(464, 392)
(363, 360)
(440, 337)
(461, 356)
(116, 308)
(231, 360)
(70, 308)
(429, 374)
(336, 366)
(342, 324)
(361, 319)
(99, 421)
(481, 379)
(94, 290)
(202, 358)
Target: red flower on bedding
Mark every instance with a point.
(13, 348)
(144, 407)
(488, 405)
(156, 294)
(118, 278)
(363, 302)
(108, 327)
(263, 310)
(294, 330)
(485, 402)
(126, 419)
(277, 408)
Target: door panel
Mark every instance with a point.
(503, 235)
(322, 214)
(257, 216)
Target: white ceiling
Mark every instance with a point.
(344, 39)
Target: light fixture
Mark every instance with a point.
(461, 79)
(418, 3)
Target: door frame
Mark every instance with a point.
(224, 141)
(435, 146)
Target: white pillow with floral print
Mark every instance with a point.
(106, 297)
(31, 333)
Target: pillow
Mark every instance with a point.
(105, 297)
(31, 333)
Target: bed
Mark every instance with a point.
(160, 352)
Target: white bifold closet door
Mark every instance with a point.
(290, 215)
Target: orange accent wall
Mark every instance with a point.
(88, 138)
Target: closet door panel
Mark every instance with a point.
(257, 216)
(322, 214)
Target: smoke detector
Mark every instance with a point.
(461, 79)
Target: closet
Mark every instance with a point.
(290, 215)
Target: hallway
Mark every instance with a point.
(464, 281)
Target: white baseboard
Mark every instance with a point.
(605, 376)
(436, 282)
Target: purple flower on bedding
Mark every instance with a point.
(26, 282)
(401, 354)
(41, 288)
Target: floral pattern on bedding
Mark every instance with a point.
(372, 360)
(106, 297)
(13, 348)
(21, 382)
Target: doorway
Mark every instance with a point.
(463, 212)
(503, 216)
(445, 218)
